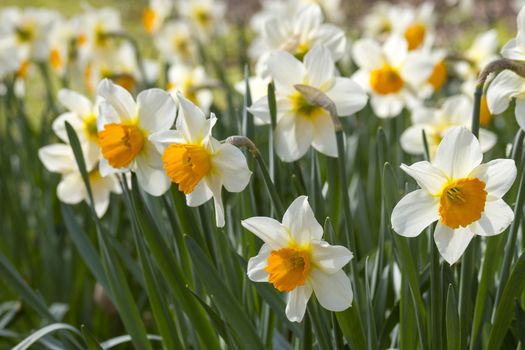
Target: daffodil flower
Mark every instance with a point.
(155, 14)
(390, 73)
(461, 194)
(295, 259)
(299, 123)
(455, 111)
(198, 163)
(192, 83)
(514, 49)
(175, 42)
(124, 127)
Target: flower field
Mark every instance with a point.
(282, 174)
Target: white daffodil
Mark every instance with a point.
(455, 111)
(192, 83)
(124, 127)
(198, 163)
(28, 29)
(258, 88)
(461, 194)
(59, 158)
(295, 259)
(378, 21)
(415, 25)
(92, 28)
(298, 34)
(155, 14)
(438, 77)
(176, 43)
(59, 42)
(206, 16)
(82, 115)
(390, 73)
(482, 51)
(514, 49)
(299, 123)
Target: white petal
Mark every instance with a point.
(71, 189)
(293, 137)
(59, 125)
(498, 175)
(417, 69)
(414, 212)
(156, 109)
(330, 258)
(119, 98)
(152, 180)
(427, 176)
(286, 70)
(319, 65)
(412, 140)
(324, 135)
(308, 19)
(192, 122)
(496, 217)
(333, 38)
(300, 220)
(163, 139)
(520, 113)
(269, 230)
(333, 291)
(347, 96)
(261, 110)
(458, 153)
(101, 195)
(215, 185)
(512, 51)
(487, 140)
(200, 195)
(258, 263)
(75, 102)
(452, 243)
(368, 54)
(297, 300)
(231, 165)
(57, 158)
(387, 106)
(504, 86)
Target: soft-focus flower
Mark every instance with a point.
(455, 111)
(514, 49)
(298, 34)
(198, 163)
(124, 127)
(459, 192)
(206, 16)
(506, 86)
(299, 123)
(176, 43)
(82, 116)
(390, 73)
(59, 158)
(155, 14)
(482, 51)
(59, 39)
(192, 83)
(378, 21)
(415, 25)
(295, 259)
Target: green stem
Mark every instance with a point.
(272, 190)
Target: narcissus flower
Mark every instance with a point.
(455, 111)
(295, 259)
(514, 49)
(154, 15)
(390, 73)
(415, 25)
(124, 127)
(176, 43)
(198, 163)
(299, 123)
(461, 194)
(191, 82)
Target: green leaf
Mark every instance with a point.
(242, 327)
(42, 332)
(452, 320)
(350, 325)
(89, 338)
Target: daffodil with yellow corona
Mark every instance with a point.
(198, 163)
(463, 195)
(295, 259)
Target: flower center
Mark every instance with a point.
(462, 201)
(414, 35)
(288, 268)
(120, 143)
(90, 127)
(438, 76)
(186, 165)
(23, 69)
(484, 112)
(148, 19)
(202, 16)
(301, 107)
(55, 59)
(24, 34)
(386, 80)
